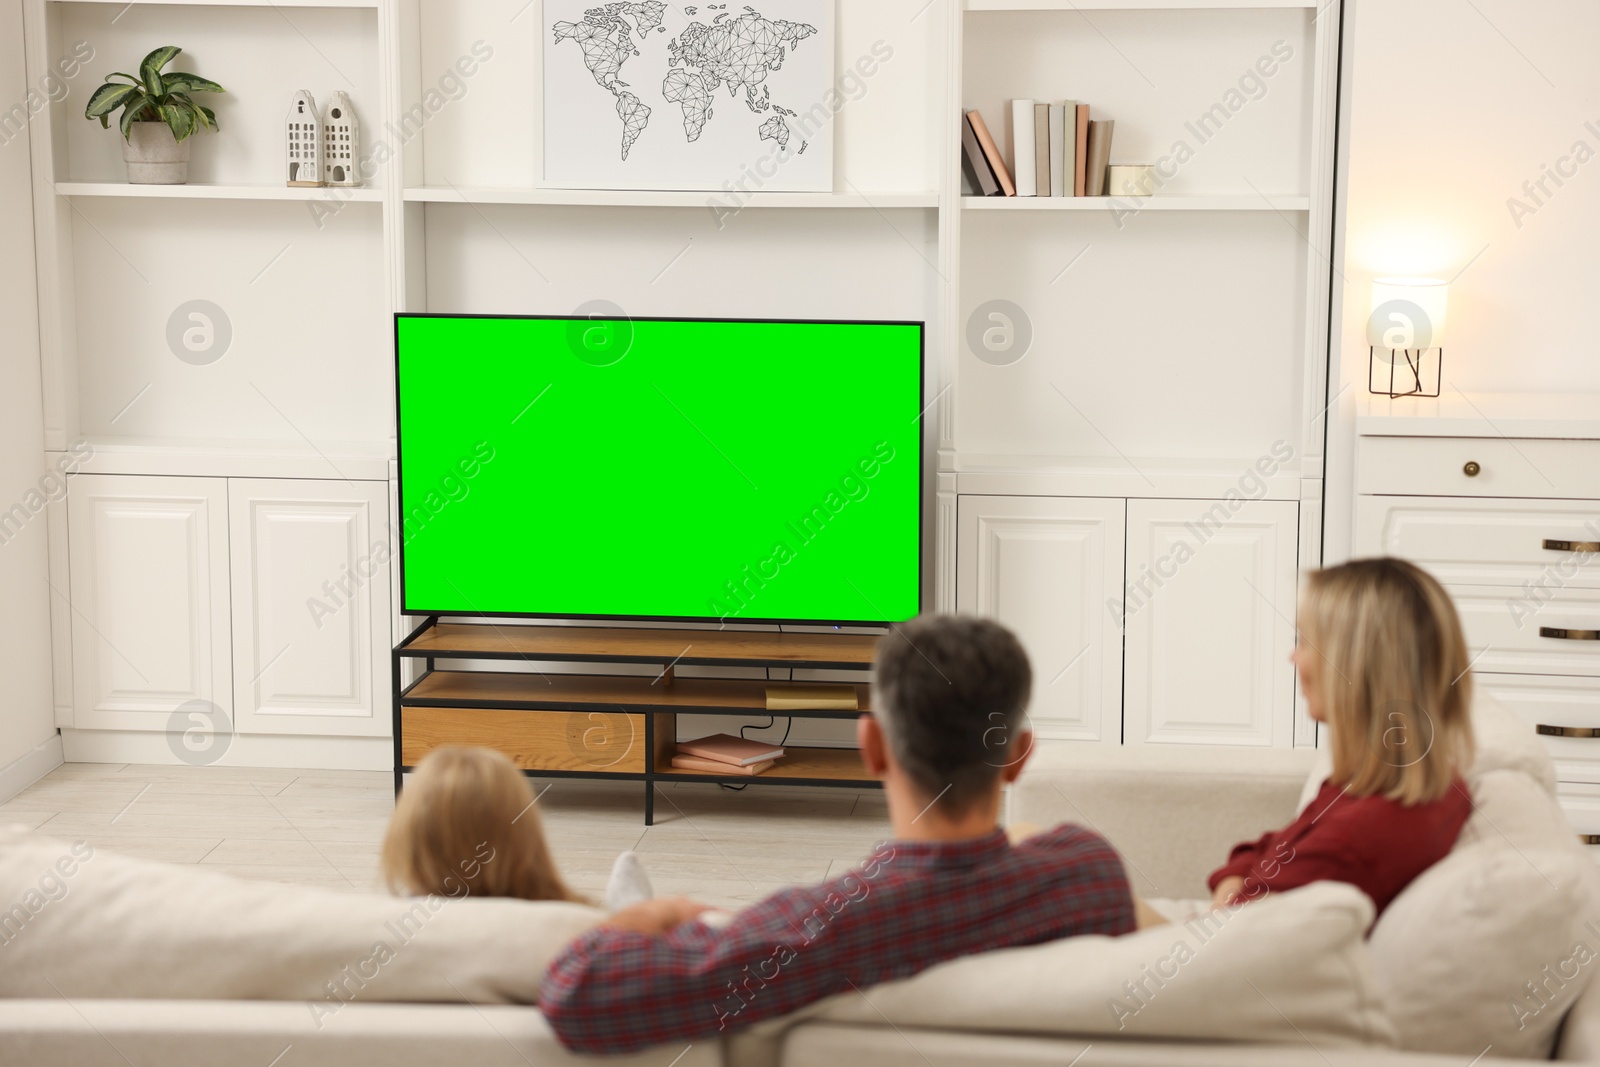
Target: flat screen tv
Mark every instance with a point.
(672, 469)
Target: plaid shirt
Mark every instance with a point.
(910, 905)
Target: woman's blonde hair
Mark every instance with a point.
(1395, 681)
(466, 823)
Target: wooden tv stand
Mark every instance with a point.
(611, 726)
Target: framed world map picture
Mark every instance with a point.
(718, 97)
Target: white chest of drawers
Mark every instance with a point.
(1499, 498)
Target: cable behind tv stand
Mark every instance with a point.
(610, 726)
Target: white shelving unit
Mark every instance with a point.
(1190, 324)
(1170, 337)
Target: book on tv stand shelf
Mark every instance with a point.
(727, 749)
(711, 766)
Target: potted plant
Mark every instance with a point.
(158, 116)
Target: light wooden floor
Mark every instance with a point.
(324, 828)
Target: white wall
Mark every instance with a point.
(1452, 108)
(26, 718)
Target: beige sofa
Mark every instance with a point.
(1172, 822)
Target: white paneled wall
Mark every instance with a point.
(1465, 140)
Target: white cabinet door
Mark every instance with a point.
(1210, 622)
(1049, 569)
(149, 598)
(310, 607)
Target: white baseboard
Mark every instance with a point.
(246, 750)
(20, 773)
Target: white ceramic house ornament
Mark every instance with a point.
(341, 142)
(303, 141)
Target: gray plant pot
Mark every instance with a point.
(154, 156)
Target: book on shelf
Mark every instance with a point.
(1060, 150)
(711, 766)
(974, 162)
(991, 152)
(1041, 148)
(727, 749)
(1099, 157)
(1023, 164)
(1080, 151)
(815, 697)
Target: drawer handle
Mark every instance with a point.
(1472, 469)
(1567, 731)
(1589, 839)
(1571, 546)
(1563, 634)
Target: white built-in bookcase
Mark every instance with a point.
(1175, 339)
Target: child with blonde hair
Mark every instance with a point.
(1383, 665)
(467, 823)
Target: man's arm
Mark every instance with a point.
(617, 990)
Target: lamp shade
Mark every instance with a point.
(1408, 313)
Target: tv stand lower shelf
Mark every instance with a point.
(608, 726)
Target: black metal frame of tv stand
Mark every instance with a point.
(720, 648)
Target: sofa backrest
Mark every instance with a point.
(85, 923)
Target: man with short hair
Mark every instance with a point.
(947, 732)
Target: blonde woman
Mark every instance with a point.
(1383, 665)
(466, 824)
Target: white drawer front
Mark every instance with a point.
(1464, 541)
(1436, 466)
(1550, 704)
(1509, 633)
(1580, 803)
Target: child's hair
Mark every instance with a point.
(1395, 681)
(466, 823)
(950, 692)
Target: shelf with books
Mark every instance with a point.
(840, 766)
(1136, 203)
(1133, 5)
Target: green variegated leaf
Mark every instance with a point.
(127, 121)
(150, 67)
(180, 117)
(203, 115)
(108, 98)
(179, 82)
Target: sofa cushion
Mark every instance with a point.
(83, 922)
(1503, 743)
(1492, 944)
(1287, 969)
(835, 1045)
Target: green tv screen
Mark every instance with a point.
(660, 469)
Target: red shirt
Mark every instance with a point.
(1373, 843)
(910, 905)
